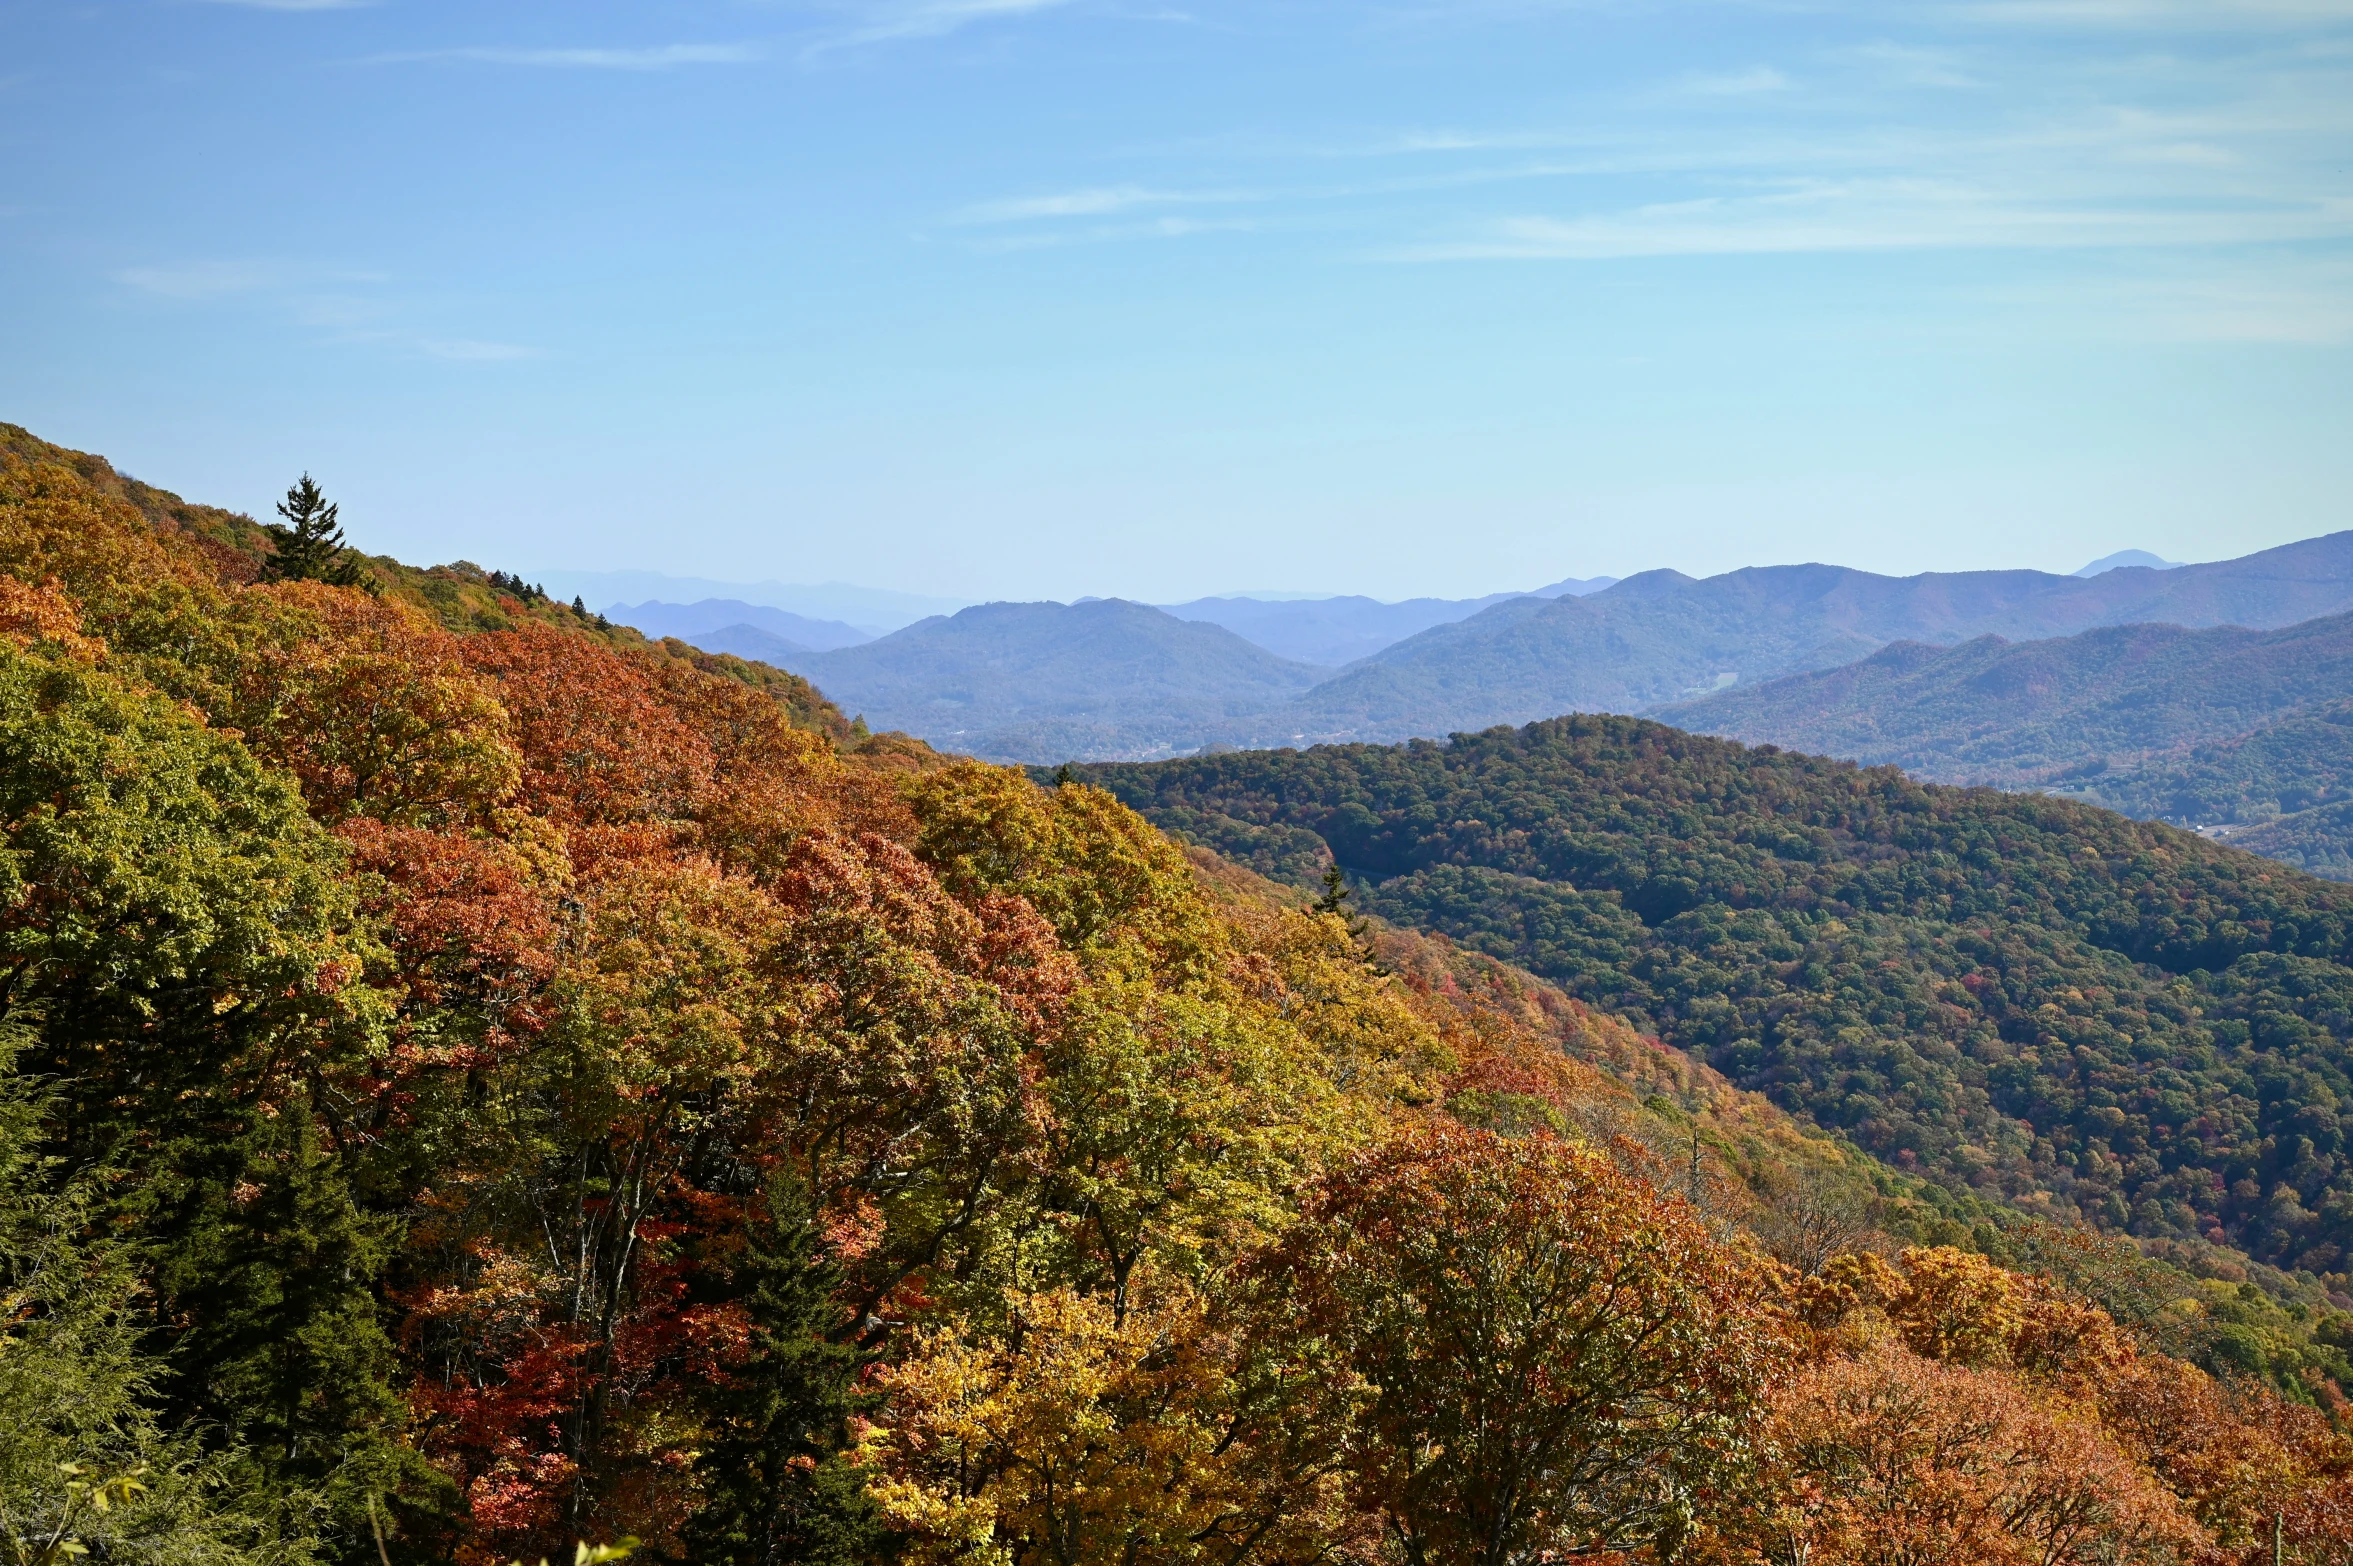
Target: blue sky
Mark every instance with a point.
(1036, 298)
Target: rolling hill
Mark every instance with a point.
(1662, 637)
(2053, 1004)
(1043, 682)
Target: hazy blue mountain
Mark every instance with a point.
(694, 622)
(2129, 557)
(2030, 713)
(875, 607)
(1049, 682)
(1329, 631)
(1662, 637)
(2248, 734)
(1336, 631)
(749, 641)
(1576, 586)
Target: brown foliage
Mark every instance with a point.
(1890, 1459)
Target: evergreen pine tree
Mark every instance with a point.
(1335, 902)
(88, 1469)
(780, 1487)
(1335, 898)
(310, 545)
(267, 1267)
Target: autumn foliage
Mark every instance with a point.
(562, 1092)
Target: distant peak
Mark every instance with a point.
(1575, 586)
(2130, 557)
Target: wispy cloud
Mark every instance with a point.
(1110, 233)
(659, 57)
(338, 305)
(194, 280)
(1882, 215)
(1086, 203)
(1906, 65)
(2197, 15)
(893, 21)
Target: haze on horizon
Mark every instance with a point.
(1046, 298)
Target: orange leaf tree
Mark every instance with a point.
(1565, 1361)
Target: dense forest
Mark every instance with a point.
(2052, 1004)
(476, 1085)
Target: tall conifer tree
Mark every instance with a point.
(310, 545)
(781, 1489)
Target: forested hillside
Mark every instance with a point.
(475, 1085)
(2041, 1000)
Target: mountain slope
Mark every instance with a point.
(2053, 1004)
(1663, 637)
(1991, 711)
(2215, 727)
(1045, 682)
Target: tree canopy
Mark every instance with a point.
(474, 1088)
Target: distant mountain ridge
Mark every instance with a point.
(1340, 630)
(698, 621)
(1110, 679)
(1044, 682)
(1663, 637)
(2130, 557)
(845, 601)
(2217, 728)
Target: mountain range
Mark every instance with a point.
(1328, 631)
(421, 957)
(1663, 637)
(1337, 631)
(1110, 679)
(2235, 731)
